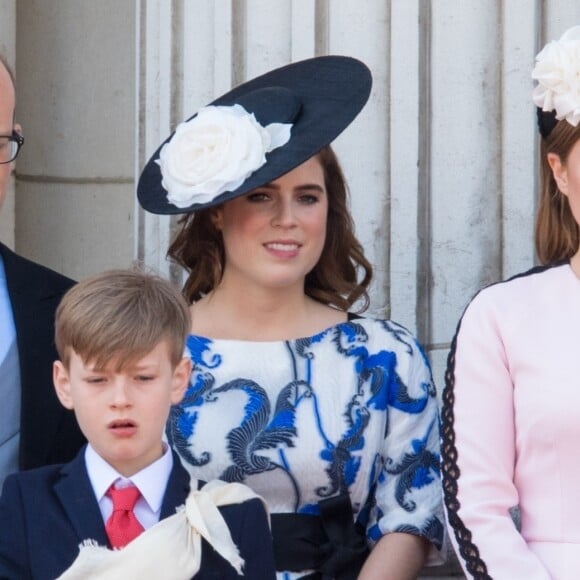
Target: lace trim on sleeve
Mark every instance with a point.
(450, 474)
(450, 470)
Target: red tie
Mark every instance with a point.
(123, 526)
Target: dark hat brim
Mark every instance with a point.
(320, 97)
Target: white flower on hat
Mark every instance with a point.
(557, 71)
(215, 152)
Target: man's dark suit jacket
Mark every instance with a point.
(48, 432)
(47, 512)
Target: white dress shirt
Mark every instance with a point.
(151, 482)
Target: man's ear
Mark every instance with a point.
(18, 128)
(559, 172)
(61, 381)
(180, 380)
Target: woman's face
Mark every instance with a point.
(274, 235)
(567, 176)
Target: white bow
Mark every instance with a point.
(171, 549)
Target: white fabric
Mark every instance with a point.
(171, 549)
(350, 408)
(150, 481)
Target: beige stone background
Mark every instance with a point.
(441, 162)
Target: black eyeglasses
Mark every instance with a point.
(10, 146)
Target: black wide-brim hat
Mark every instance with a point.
(320, 97)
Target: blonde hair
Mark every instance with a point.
(120, 316)
(556, 235)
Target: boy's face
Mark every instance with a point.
(123, 414)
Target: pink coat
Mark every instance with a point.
(511, 429)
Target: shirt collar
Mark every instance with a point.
(151, 481)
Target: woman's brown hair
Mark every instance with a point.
(198, 247)
(557, 236)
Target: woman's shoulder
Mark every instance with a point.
(510, 304)
(522, 288)
(387, 334)
(378, 323)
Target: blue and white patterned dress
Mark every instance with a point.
(352, 408)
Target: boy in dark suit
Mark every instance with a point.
(120, 338)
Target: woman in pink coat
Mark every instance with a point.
(511, 416)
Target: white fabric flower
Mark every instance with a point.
(557, 71)
(214, 152)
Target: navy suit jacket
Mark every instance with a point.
(48, 432)
(47, 512)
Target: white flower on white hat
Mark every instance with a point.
(215, 152)
(557, 71)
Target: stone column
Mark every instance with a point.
(76, 102)
(8, 51)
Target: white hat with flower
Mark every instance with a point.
(557, 72)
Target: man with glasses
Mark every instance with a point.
(34, 428)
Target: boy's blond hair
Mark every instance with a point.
(120, 316)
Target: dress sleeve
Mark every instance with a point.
(408, 493)
(478, 451)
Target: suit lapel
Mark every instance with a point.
(34, 295)
(78, 500)
(75, 492)
(177, 488)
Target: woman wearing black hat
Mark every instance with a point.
(331, 417)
